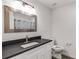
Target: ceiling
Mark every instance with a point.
(56, 3)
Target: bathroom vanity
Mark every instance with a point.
(16, 21)
(37, 51)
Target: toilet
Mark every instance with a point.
(57, 50)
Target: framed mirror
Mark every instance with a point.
(16, 21)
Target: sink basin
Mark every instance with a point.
(29, 44)
(58, 48)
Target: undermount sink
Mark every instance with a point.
(58, 48)
(29, 44)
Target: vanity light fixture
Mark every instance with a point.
(23, 7)
(24, 3)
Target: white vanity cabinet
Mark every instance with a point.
(41, 52)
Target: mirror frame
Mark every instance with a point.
(6, 22)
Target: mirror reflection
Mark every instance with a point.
(16, 21)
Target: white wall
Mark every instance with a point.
(64, 28)
(43, 23)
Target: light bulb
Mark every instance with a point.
(16, 5)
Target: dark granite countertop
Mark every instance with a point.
(11, 50)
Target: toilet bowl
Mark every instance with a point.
(57, 49)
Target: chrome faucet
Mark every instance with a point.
(26, 39)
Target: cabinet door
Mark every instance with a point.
(48, 54)
(33, 57)
(41, 56)
(45, 54)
